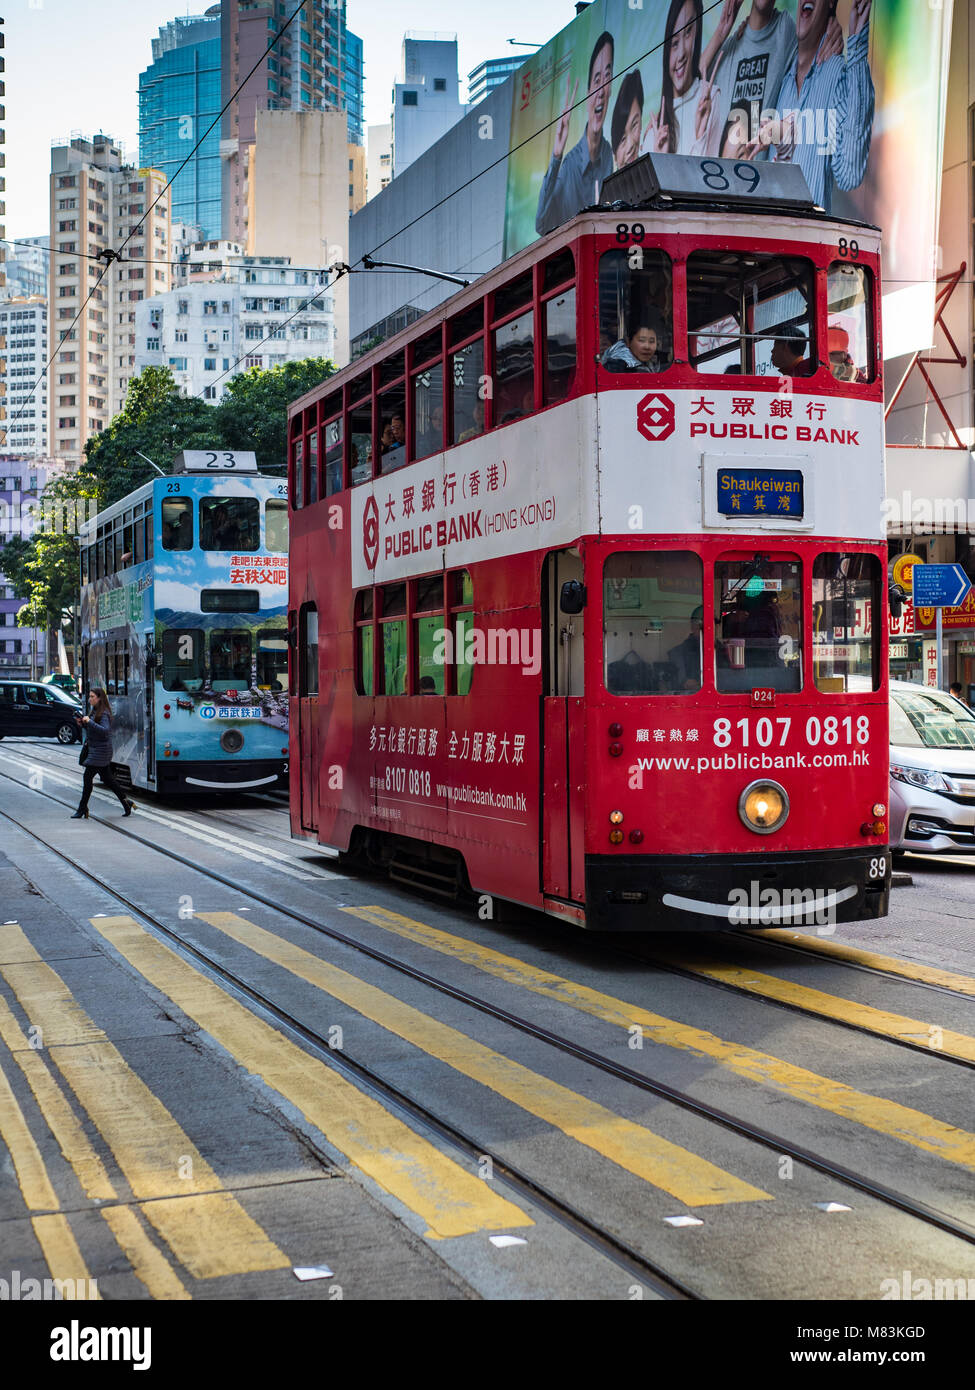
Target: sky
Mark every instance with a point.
(72, 67)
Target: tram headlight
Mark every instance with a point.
(764, 807)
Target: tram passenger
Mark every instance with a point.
(97, 728)
(686, 656)
(789, 354)
(476, 426)
(428, 686)
(636, 353)
(841, 364)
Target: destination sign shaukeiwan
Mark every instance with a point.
(760, 492)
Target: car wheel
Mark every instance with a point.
(66, 733)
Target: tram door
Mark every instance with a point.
(149, 695)
(308, 715)
(562, 860)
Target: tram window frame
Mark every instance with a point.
(333, 419)
(391, 615)
(247, 506)
(549, 396)
(661, 673)
(264, 636)
(85, 555)
(184, 507)
(749, 336)
(866, 375)
(460, 596)
(364, 621)
(428, 607)
(275, 506)
(233, 635)
(440, 597)
(427, 445)
(360, 403)
(838, 683)
(311, 470)
(620, 318)
(139, 538)
(742, 679)
(510, 415)
(391, 404)
(308, 673)
(169, 637)
(297, 490)
(469, 420)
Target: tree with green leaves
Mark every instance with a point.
(254, 411)
(157, 421)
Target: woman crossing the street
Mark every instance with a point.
(96, 756)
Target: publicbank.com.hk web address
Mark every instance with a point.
(474, 796)
(753, 762)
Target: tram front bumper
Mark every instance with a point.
(673, 893)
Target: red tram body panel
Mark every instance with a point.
(613, 640)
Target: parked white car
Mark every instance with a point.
(932, 771)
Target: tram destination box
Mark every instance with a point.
(684, 178)
(215, 461)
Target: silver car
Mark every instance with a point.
(932, 771)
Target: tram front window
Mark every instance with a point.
(635, 310)
(750, 315)
(229, 523)
(652, 622)
(230, 659)
(758, 624)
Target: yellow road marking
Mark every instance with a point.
(675, 1170)
(205, 1226)
(885, 1116)
(61, 1120)
(452, 1201)
(878, 1021)
(35, 1185)
(148, 1264)
(908, 969)
(61, 1252)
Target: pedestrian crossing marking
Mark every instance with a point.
(878, 1021)
(668, 1166)
(893, 965)
(206, 1227)
(886, 1117)
(451, 1200)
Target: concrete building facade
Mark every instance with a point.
(22, 480)
(426, 100)
(23, 327)
(379, 158)
(208, 331)
(96, 202)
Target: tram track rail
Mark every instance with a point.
(776, 1143)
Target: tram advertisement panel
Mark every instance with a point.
(853, 92)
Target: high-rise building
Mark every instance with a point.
(255, 309)
(316, 65)
(3, 229)
(26, 268)
(179, 97)
(490, 74)
(96, 202)
(22, 480)
(379, 158)
(425, 96)
(23, 327)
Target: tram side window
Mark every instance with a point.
(308, 650)
(846, 615)
(230, 659)
(85, 553)
(461, 599)
(392, 429)
(849, 323)
(758, 624)
(140, 540)
(428, 624)
(298, 473)
(393, 660)
(467, 384)
(560, 345)
(229, 523)
(514, 369)
(334, 462)
(177, 523)
(360, 442)
(365, 643)
(149, 537)
(312, 469)
(276, 527)
(653, 622)
(272, 659)
(182, 659)
(428, 411)
(636, 316)
(750, 315)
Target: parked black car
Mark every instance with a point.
(31, 708)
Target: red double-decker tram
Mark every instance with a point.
(588, 573)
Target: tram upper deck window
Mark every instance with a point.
(652, 622)
(392, 429)
(467, 382)
(514, 368)
(846, 617)
(276, 527)
(750, 315)
(360, 436)
(333, 454)
(177, 523)
(229, 523)
(636, 321)
(849, 319)
(758, 624)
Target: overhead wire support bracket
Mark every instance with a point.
(368, 263)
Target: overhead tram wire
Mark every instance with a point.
(527, 141)
(109, 255)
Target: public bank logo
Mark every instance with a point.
(370, 533)
(655, 417)
(208, 711)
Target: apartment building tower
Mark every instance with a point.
(96, 202)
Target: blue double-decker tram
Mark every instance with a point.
(184, 593)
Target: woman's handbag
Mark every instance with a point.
(83, 755)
